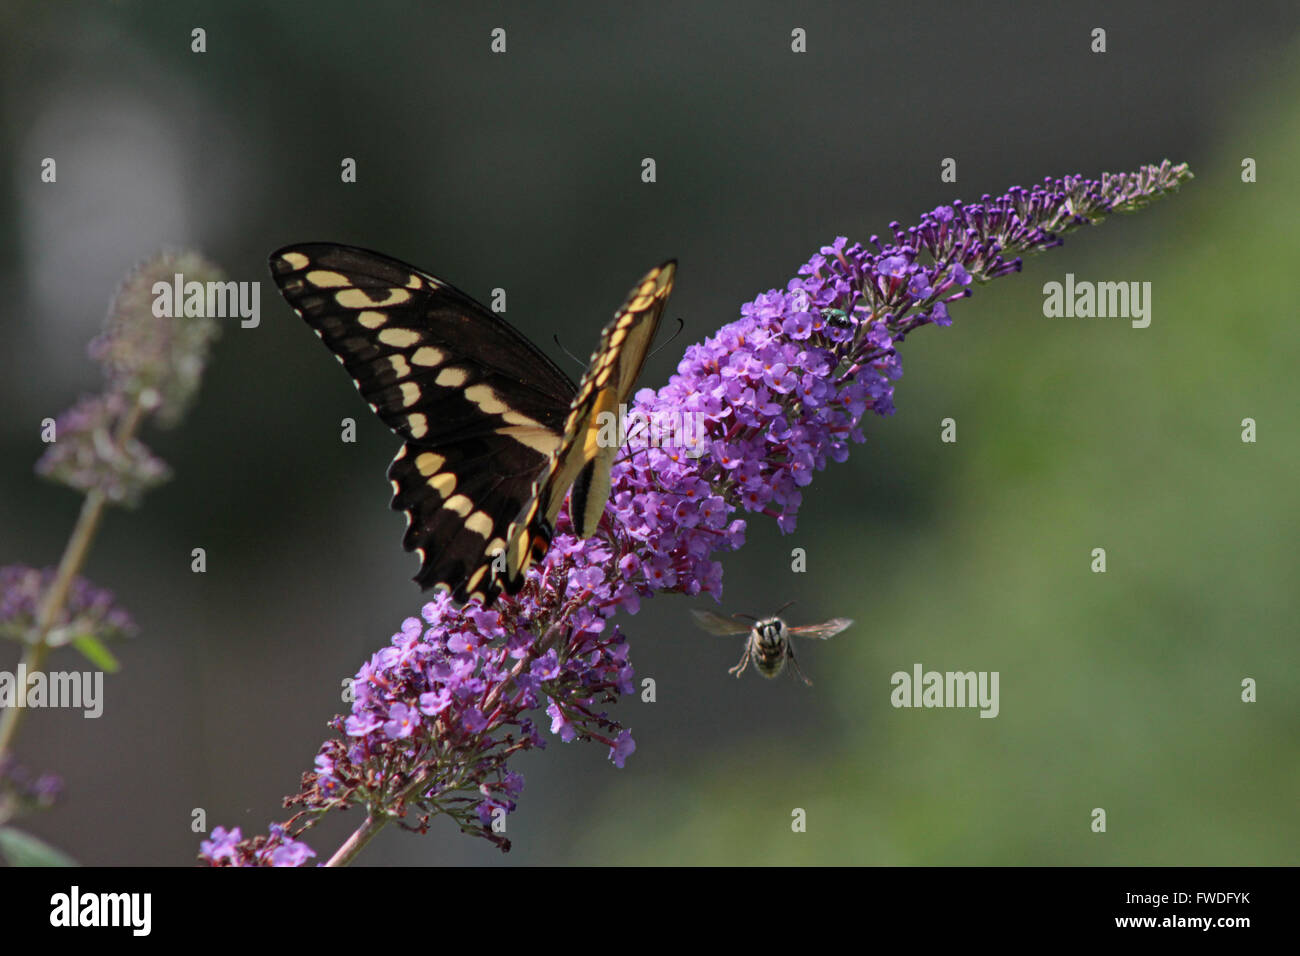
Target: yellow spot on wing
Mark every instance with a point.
(418, 425)
(459, 504)
(428, 463)
(363, 298)
(486, 399)
(534, 436)
(296, 260)
(429, 356)
(399, 338)
(451, 377)
(519, 418)
(372, 320)
(480, 523)
(325, 279)
(410, 394)
(400, 368)
(444, 483)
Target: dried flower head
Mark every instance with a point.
(157, 360)
(89, 454)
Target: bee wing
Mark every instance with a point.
(819, 632)
(717, 624)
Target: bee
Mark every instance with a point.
(769, 644)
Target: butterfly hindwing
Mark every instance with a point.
(494, 433)
(459, 501)
(582, 461)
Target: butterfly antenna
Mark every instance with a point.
(567, 352)
(681, 324)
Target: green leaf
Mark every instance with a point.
(94, 650)
(23, 849)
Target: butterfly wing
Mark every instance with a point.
(819, 632)
(717, 624)
(582, 461)
(482, 410)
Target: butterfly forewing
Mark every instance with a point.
(492, 427)
(482, 409)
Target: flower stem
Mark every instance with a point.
(74, 558)
(356, 843)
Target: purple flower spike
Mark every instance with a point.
(752, 414)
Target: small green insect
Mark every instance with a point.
(838, 318)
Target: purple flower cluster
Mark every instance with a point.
(153, 365)
(229, 848)
(437, 714)
(88, 610)
(780, 392)
(87, 453)
(21, 791)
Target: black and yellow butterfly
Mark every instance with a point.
(495, 434)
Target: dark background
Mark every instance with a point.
(522, 171)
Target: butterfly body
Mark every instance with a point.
(769, 642)
(494, 433)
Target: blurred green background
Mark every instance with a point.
(1119, 691)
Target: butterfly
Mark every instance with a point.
(769, 644)
(494, 433)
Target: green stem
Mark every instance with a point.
(73, 560)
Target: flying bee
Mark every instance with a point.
(769, 644)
